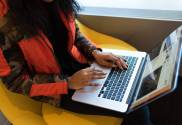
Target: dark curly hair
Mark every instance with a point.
(30, 15)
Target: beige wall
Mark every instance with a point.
(143, 34)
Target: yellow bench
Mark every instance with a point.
(21, 110)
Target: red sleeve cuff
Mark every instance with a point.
(49, 89)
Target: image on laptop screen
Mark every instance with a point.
(160, 70)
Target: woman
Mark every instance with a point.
(43, 54)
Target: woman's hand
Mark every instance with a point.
(109, 60)
(83, 78)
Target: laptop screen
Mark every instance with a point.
(161, 70)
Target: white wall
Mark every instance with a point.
(135, 4)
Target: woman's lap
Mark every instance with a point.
(140, 116)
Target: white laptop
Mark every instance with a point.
(148, 77)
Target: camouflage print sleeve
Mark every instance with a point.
(21, 80)
(84, 45)
(18, 80)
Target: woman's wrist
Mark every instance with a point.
(57, 78)
(95, 53)
(91, 53)
(68, 80)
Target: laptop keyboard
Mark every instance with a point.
(117, 81)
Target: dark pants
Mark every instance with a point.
(138, 117)
(167, 110)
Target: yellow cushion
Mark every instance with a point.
(18, 108)
(29, 119)
(57, 116)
